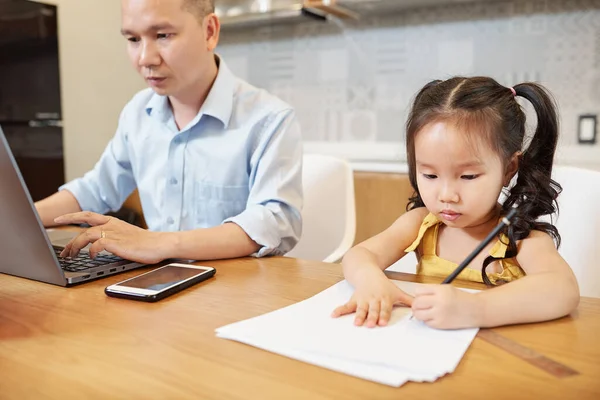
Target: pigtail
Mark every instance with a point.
(511, 252)
(535, 192)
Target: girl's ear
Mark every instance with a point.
(512, 168)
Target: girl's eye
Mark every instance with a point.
(133, 39)
(429, 176)
(469, 177)
(163, 35)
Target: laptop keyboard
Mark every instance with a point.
(83, 261)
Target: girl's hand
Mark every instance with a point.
(446, 307)
(373, 302)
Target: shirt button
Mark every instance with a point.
(173, 181)
(170, 221)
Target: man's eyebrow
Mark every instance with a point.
(160, 27)
(153, 28)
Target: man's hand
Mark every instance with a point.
(116, 237)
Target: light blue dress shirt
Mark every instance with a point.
(239, 160)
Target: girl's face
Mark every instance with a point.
(459, 177)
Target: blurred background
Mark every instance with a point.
(350, 69)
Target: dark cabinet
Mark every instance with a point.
(30, 109)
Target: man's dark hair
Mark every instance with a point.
(200, 8)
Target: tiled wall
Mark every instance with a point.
(353, 82)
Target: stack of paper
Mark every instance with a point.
(404, 350)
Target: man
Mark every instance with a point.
(217, 162)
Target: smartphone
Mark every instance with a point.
(160, 283)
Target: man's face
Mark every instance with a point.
(169, 46)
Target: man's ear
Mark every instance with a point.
(511, 168)
(212, 29)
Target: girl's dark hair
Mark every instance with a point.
(500, 121)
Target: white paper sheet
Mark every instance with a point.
(404, 350)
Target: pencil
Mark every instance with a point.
(504, 222)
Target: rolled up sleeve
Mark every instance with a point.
(272, 217)
(108, 184)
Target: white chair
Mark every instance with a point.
(329, 212)
(578, 223)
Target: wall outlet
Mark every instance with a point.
(587, 129)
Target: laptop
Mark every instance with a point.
(28, 250)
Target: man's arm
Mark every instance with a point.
(272, 217)
(224, 241)
(102, 189)
(270, 225)
(58, 204)
(137, 244)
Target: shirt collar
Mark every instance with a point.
(218, 103)
(159, 107)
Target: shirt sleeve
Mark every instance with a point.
(106, 187)
(272, 217)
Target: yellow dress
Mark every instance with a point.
(432, 265)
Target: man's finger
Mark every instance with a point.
(65, 251)
(84, 217)
(101, 245)
(82, 240)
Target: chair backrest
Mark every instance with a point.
(578, 223)
(329, 212)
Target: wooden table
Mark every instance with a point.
(76, 343)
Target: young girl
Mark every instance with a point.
(465, 143)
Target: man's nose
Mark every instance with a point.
(149, 56)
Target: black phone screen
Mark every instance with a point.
(162, 278)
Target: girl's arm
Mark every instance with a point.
(363, 266)
(384, 249)
(548, 291)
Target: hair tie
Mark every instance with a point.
(514, 92)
